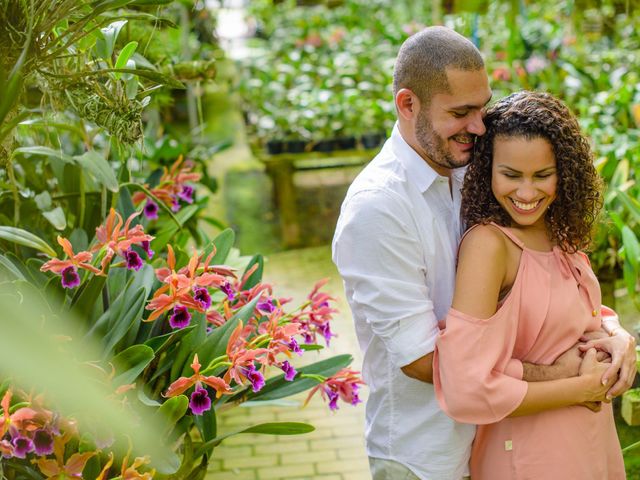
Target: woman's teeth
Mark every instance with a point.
(525, 206)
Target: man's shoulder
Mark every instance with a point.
(383, 177)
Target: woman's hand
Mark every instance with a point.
(622, 348)
(592, 371)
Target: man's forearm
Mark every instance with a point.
(532, 372)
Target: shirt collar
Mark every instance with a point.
(418, 170)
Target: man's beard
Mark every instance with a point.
(434, 145)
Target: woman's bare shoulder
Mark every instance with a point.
(487, 241)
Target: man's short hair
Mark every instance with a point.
(424, 57)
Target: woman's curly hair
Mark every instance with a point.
(572, 216)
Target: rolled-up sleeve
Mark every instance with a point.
(475, 378)
(380, 258)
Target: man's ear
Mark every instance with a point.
(407, 104)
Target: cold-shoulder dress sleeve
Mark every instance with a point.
(471, 363)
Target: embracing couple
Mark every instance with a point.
(486, 349)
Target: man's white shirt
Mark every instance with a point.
(395, 247)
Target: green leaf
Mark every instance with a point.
(171, 411)
(162, 342)
(256, 276)
(86, 297)
(631, 204)
(132, 308)
(56, 218)
(125, 54)
(109, 36)
(631, 248)
(621, 175)
(273, 428)
(278, 387)
(7, 265)
(161, 204)
(99, 168)
(12, 85)
(43, 200)
(207, 425)
(148, 74)
(27, 239)
(130, 363)
(311, 347)
(223, 244)
(169, 231)
(46, 152)
(630, 276)
(151, 2)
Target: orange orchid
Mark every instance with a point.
(58, 469)
(180, 285)
(78, 260)
(184, 383)
(115, 239)
(171, 184)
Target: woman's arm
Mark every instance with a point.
(484, 267)
(587, 387)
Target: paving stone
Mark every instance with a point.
(343, 466)
(308, 457)
(275, 448)
(286, 471)
(250, 461)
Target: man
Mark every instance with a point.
(395, 247)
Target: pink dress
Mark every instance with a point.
(554, 299)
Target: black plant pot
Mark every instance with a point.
(345, 143)
(323, 146)
(296, 146)
(371, 140)
(275, 146)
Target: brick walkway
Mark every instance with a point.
(335, 450)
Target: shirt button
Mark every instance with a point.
(594, 313)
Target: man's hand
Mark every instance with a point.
(420, 369)
(622, 348)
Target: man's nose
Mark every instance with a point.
(476, 125)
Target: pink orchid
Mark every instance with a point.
(344, 385)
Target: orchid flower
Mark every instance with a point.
(343, 385)
(113, 239)
(198, 404)
(68, 269)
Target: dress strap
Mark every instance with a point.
(509, 234)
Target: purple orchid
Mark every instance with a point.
(150, 210)
(70, 277)
(289, 371)
(186, 194)
(43, 442)
(202, 296)
(134, 262)
(255, 377)
(22, 446)
(200, 401)
(180, 317)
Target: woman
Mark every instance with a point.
(524, 290)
